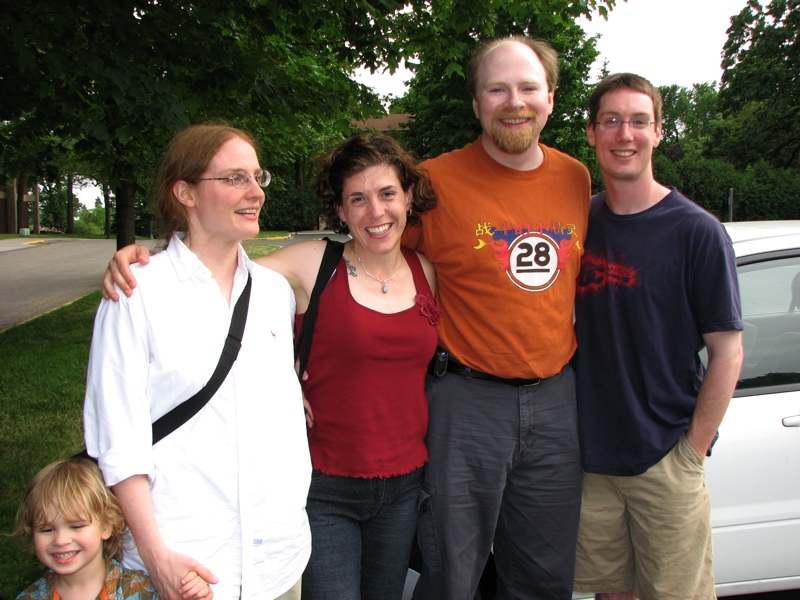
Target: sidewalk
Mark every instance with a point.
(21, 243)
(299, 236)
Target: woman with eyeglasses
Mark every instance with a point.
(365, 380)
(223, 495)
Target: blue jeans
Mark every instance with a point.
(504, 475)
(362, 531)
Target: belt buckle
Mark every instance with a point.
(532, 382)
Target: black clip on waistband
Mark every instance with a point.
(442, 363)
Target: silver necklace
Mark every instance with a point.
(385, 288)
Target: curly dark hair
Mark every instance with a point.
(361, 152)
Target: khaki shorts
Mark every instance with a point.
(293, 593)
(650, 533)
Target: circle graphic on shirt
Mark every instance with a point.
(533, 262)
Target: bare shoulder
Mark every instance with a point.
(430, 271)
(297, 261)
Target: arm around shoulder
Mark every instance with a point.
(119, 270)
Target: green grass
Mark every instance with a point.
(258, 250)
(42, 382)
(273, 234)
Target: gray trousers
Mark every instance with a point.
(504, 475)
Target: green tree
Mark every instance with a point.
(706, 182)
(764, 191)
(53, 204)
(119, 78)
(291, 202)
(90, 221)
(759, 96)
(688, 113)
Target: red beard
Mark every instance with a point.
(514, 141)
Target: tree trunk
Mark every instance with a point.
(126, 207)
(70, 205)
(36, 210)
(298, 173)
(22, 212)
(107, 204)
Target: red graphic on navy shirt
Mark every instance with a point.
(597, 273)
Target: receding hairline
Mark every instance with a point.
(546, 55)
(505, 42)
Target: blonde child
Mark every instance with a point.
(74, 523)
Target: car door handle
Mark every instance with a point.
(791, 421)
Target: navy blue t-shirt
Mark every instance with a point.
(650, 285)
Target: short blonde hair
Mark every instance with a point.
(75, 487)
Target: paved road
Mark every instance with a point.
(40, 275)
(37, 276)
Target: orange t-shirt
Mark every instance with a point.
(507, 246)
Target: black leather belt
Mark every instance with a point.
(458, 369)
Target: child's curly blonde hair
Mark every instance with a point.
(74, 487)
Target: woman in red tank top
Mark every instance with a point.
(365, 388)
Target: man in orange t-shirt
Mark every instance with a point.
(506, 239)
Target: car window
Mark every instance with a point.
(770, 292)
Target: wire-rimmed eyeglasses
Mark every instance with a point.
(613, 123)
(241, 180)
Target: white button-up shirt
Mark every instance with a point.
(229, 487)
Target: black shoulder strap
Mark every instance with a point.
(179, 415)
(330, 258)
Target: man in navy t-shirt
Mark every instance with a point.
(657, 284)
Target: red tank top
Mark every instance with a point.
(366, 381)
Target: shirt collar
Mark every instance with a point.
(188, 265)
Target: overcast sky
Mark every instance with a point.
(666, 41)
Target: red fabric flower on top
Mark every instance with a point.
(428, 308)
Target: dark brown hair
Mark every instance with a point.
(361, 152)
